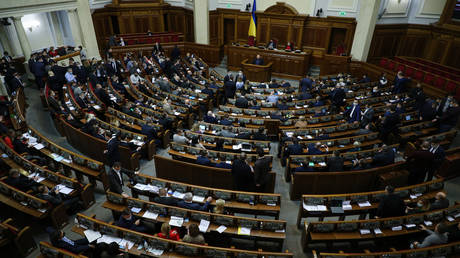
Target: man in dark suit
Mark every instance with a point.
(224, 121)
(157, 48)
(59, 240)
(294, 149)
(116, 181)
(335, 163)
(450, 118)
(439, 155)
(391, 205)
(129, 221)
(55, 198)
(240, 75)
(80, 72)
(163, 198)
(353, 113)
(80, 99)
(242, 173)
(305, 95)
(367, 116)
(260, 135)
(281, 105)
(21, 182)
(261, 171)
(229, 88)
(305, 84)
(208, 91)
(337, 96)
(258, 60)
(112, 151)
(187, 203)
(440, 201)
(15, 83)
(102, 95)
(241, 102)
(149, 130)
(419, 163)
(273, 84)
(39, 72)
(384, 156)
(202, 159)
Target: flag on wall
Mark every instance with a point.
(252, 25)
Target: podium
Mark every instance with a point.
(257, 73)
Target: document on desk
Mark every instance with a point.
(397, 228)
(410, 226)
(204, 225)
(346, 205)
(123, 243)
(150, 215)
(364, 204)
(197, 198)
(156, 252)
(108, 239)
(39, 146)
(176, 221)
(244, 231)
(64, 189)
(221, 229)
(136, 210)
(140, 187)
(92, 235)
(364, 231)
(178, 195)
(377, 231)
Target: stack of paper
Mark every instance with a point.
(377, 231)
(415, 196)
(92, 235)
(156, 252)
(346, 205)
(123, 243)
(397, 228)
(221, 229)
(410, 226)
(108, 239)
(314, 207)
(244, 231)
(64, 189)
(176, 221)
(136, 210)
(178, 195)
(150, 215)
(364, 231)
(197, 198)
(364, 204)
(204, 225)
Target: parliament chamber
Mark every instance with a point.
(228, 128)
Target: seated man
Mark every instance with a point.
(260, 134)
(241, 102)
(391, 205)
(163, 198)
(258, 60)
(202, 159)
(314, 149)
(254, 105)
(127, 220)
(180, 138)
(282, 105)
(19, 181)
(210, 118)
(188, 204)
(56, 198)
(225, 121)
(59, 240)
(436, 237)
(335, 163)
(440, 201)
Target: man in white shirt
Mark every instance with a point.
(69, 76)
(135, 78)
(180, 138)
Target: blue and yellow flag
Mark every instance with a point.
(252, 23)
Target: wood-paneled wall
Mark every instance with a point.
(141, 17)
(433, 42)
(283, 23)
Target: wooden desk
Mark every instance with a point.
(288, 64)
(258, 73)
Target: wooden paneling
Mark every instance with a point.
(288, 64)
(242, 28)
(432, 42)
(140, 17)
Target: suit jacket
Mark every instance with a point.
(229, 88)
(305, 84)
(353, 115)
(243, 179)
(335, 163)
(259, 61)
(294, 149)
(165, 200)
(148, 131)
(368, 116)
(113, 153)
(337, 96)
(54, 199)
(261, 170)
(76, 248)
(420, 160)
(193, 206)
(22, 183)
(241, 102)
(201, 160)
(391, 206)
(115, 183)
(439, 204)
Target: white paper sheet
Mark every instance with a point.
(204, 225)
(136, 210)
(364, 204)
(377, 231)
(156, 252)
(221, 229)
(397, 228)
(176, 221)
(123, 243)
(39, 146)
(244, 231)
(428, 223)
(197, 198)
(64, 189)
(364, 231)
(92, 235)
(150, 215)
(178, 195)
(410, 226)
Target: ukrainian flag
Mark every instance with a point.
(252, 25)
